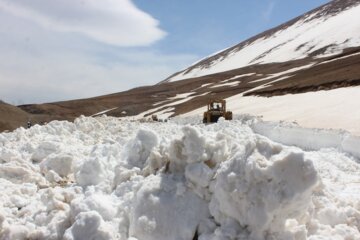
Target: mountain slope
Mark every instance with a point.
(324, 31)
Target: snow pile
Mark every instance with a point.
(106, 178)
(263, 196)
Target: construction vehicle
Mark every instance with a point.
(216, 109)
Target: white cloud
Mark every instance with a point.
(56, 77)
(40, 65)
(116, 22)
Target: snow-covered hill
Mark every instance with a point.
(325, 31)
(106, 178)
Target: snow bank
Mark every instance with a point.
(106, 178)
(331, 109)
(307, 138)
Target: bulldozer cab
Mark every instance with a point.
(217, 105)
(216, 109)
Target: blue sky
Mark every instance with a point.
(68, 49)
(207, 26)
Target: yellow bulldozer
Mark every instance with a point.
(216, 109)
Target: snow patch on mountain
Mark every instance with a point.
(229, 84)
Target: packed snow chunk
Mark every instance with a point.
(191, 148)
(335, 218)
(103, 204)
(88, 125)
(199, 174)
(7, 155)
(44, 150)
(90, 226)
(137, 151)
(20, 173)
(262, 187)
(340, 232)
(194, 144)
(162, 211)
(351, 144)
(123, 174)
(14, 232)
(62, 164)
(92, 172)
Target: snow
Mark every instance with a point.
(295, 42)
(181, 95)
(239, 76)
(167, 110)
(275, 75)
(204, 85)
(111, 178)
(231, 84)
(174, 214)
(332, 109)
(88, 225)
(336, 59)
(177, 96)
(309, 139)
(271, 77)
(105, 111)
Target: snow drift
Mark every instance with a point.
(106, 178)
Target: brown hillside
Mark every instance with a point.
(12, 117)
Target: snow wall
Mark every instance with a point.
(307, 138)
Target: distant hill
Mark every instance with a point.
(12, 117)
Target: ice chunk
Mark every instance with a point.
(15, 232)
(44, 150)
(160, 213)
(88, 225)
(62, 164)
(189, 149)
(199, 174)
(138, 149)
(91, 173)
(98, 202)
